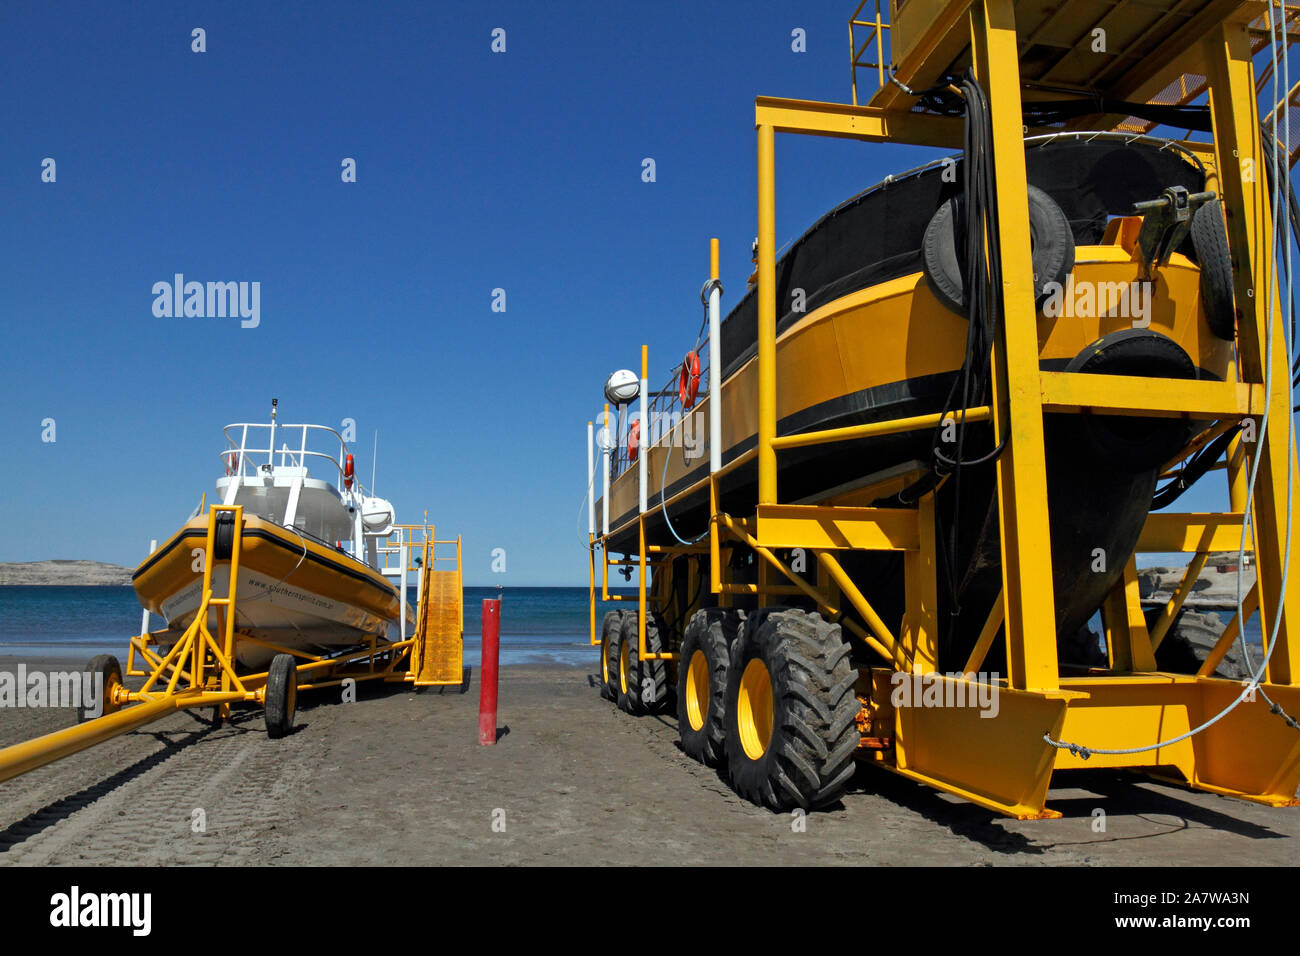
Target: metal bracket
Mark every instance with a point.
(1165, 223)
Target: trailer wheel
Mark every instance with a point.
(791, 709)
(702, 683)
(281, 695)
(609, 636)
(643, 685)
(109, 670)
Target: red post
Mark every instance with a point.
(487, 692)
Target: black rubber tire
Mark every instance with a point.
(711, 632)
(1050, 235)
(809, 758)
(1210, 241)
(223, 538)
(1132, 442)
(281, 696)
(109, 668)
(609, 630)
(647, 681)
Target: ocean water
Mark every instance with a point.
(538, 625)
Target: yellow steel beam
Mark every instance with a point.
(1177, 599)
(1021, 468)
(1149, 397)
(867, 123)
(925, 37)
(1249, 754)
(885, 642)
(20, 758)
(1000, 763)
(860, 529)
(915, 423)
(990, 630)
(770, 559)
(1185, 532)
(1133, 652)
(1250, 237)
(920, 634)
(591, 585)
(766, 315)
(1249, 605)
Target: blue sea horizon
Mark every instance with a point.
(539, 625)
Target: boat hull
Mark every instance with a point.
(291, 591)
(893, 351)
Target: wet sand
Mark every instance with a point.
(398, 777)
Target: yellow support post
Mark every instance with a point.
(767, 490)
(920, 638)
(591, 584)
(1250, 235)
(1018, 418)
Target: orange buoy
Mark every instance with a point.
(689, 384)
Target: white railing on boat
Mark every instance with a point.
(239, 457)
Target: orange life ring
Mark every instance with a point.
(688, 386)
(347, 472)
(232, 463)
(633, 439)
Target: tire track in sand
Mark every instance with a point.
(244, 783)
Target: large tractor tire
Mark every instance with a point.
(790, 711)
(702, 683)
(643, 685)
(609, 637)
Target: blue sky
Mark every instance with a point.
(475, 171)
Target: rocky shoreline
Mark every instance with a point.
(1207, 610)
(64, 573)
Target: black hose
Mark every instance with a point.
(1194, 469)
(978, 233)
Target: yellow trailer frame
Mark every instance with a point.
(199, 669)
(1006, 764)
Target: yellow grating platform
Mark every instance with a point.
(438, 633)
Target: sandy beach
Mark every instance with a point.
(398, 777)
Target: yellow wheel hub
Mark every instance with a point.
(112, 701)
(754, 709)
(697, 690)
(604, 661)
(622, 665)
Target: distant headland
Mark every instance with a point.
(64, 572)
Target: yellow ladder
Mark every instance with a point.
(440, 625)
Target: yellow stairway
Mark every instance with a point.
(439, 629)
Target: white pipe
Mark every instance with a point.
(644, 451)
(144, 621)
(401, 605)
(270, 446)
(715, 379)
(591, 482)
(604, 498)
(419, 578)
(358, 532)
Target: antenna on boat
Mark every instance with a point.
(374, 455)
(270, 458)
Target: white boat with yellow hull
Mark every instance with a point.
(308, 577)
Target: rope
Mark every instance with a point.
(663, 502)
